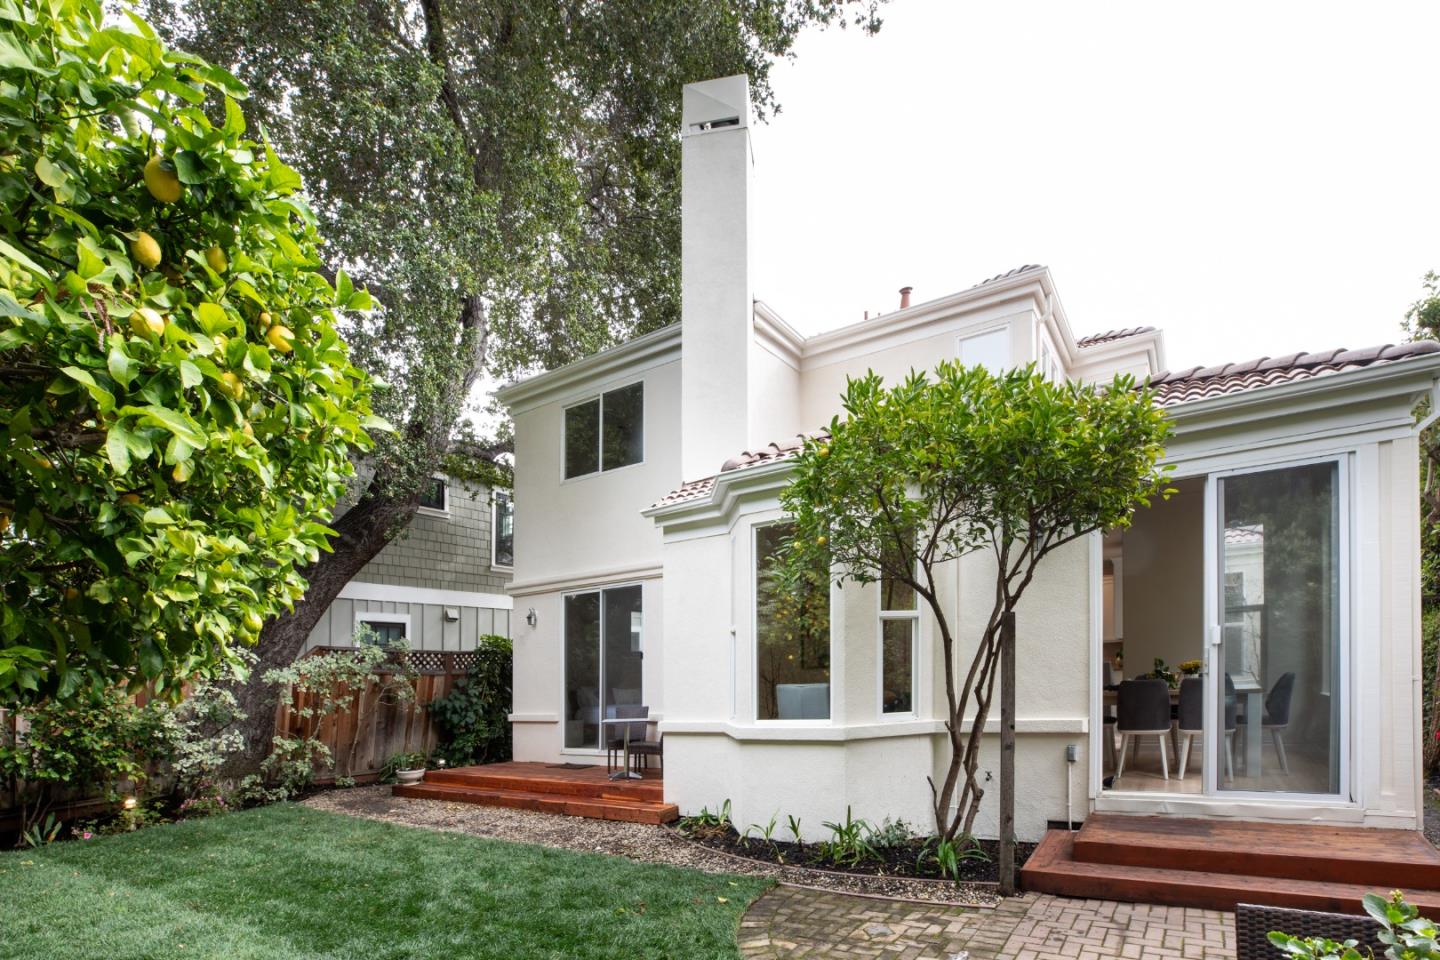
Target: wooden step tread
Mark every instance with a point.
(1053, 868)
(1354, 855)
(649, 790)
(621, 808)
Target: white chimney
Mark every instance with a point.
(717, 300)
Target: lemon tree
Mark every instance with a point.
(177, 410)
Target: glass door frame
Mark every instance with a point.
(602, 663)
(1214, 668)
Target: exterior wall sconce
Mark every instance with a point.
(530, 617)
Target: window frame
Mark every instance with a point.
(755, 717)
(495, 497)
(599, 590)
(442, 512)
(372, 617)
(599, 396)
(882, 616)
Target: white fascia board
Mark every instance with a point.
(385, 593)
(583, 580)
(773, 333)
(889, 329)
(823, 732)
(641, 353)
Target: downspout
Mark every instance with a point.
(1423, 425)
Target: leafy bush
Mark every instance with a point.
(471, 718)
(1406, 935)
(177, 410)
(199, 734)
(848, 844)
(95, 742)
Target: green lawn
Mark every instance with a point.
(287, 882)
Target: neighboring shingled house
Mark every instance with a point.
(440, 584)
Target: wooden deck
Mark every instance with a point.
(1216, 864)
(550, 788)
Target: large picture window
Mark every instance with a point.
(605, 433)
(899, 635)
(792, 636)
(502, 549)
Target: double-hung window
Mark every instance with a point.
(899, 639)
(605, 432)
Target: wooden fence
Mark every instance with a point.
(378, 731)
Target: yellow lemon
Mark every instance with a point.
(253, 621)
(182, 471)
(217, 259)
(72, 594)
(281, 337)
(146, 250)
(162, 183)
(231, 386)
(265, 319)
(820, 541)
(145, 320)
(130, 499)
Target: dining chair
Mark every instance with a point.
(616, 743)
(1143, 710)
(1277, 716)
(1191, 724)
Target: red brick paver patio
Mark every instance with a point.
(790, 922)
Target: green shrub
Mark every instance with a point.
(1406, 935)
(472, 718)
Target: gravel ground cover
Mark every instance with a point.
(638, 842)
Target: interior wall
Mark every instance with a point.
(1163, 577)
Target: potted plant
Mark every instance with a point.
(408, 767)
(1191, 668)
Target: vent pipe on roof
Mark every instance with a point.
(905, 297)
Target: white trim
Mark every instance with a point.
(495, 496)
(590, 579)
(812, 730)
(881, 616)
(385, 593)
(634, 356)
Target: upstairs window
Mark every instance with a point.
(605, 433)
(434, 495)
(502, 552)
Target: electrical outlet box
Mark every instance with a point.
(1072, 753)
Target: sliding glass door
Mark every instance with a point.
(1277, 669)
(602, 660)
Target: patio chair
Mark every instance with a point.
(1143, 710)
(646, 749)
(1191, 723)
(1253, 925)
(616, 742)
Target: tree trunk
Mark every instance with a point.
(1007, 756)
(364, 532)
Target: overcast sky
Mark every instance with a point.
(1254, 178)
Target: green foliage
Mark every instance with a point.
(199, 735)
(167, 458)
(706, 820)
(890, 833)
(471, 717)
(94, 742)
(848, 843)
(412, 760)
(792, 823)
(44, 832)
(921, 473)
(1406, 935)
(949, 854)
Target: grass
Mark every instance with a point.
(286, 881)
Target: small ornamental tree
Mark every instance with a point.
(927, 471)
(176, 408)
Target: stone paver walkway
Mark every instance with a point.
(790, 922)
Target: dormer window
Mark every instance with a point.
(606, 432)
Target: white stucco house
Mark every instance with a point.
(646, 495)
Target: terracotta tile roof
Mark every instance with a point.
(1111, 335)
(1175, 387)
(1202, 383)
(1009, 273)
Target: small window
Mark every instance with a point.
(503, 548)
(605, 433)
(899, 638)
(433, 496)
(383, 632)
(792, 636)
(990, 350)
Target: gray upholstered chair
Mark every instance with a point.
(1190, 723)
(615, 733)
(1143, 710)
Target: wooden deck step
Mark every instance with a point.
(539, 783)
(1054, 868)
(1345, 855)
(601, 807)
